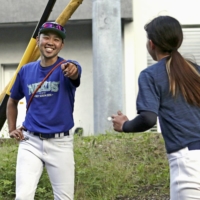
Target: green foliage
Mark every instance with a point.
(108, 167)
(8, 149)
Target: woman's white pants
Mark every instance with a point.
(184, 174)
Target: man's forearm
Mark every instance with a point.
(75, 76)
(12, 113)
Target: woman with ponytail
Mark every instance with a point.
(170, 90)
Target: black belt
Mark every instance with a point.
(48, 135)
(194, 145)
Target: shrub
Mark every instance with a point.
(108, 167)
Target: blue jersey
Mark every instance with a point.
(51, 109)
(179, 121)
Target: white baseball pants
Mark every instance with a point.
(54, 154)
(184, 174)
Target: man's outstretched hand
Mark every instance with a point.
(70, 70)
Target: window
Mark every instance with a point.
(7, 72)
(190, 47)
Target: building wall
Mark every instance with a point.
(21, 11)
(78, 45)
(16, 30)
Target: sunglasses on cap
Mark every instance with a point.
(53, 26)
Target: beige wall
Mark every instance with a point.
(20, 11)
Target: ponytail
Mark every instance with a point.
(184, 78)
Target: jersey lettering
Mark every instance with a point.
(47, 86)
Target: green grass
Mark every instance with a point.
(108, 167)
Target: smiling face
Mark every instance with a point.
(50, 45)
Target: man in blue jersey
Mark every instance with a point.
(45, 138)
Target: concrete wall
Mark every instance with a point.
(12, 11)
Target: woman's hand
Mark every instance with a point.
(118, 121)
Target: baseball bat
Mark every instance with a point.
(25, 59)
